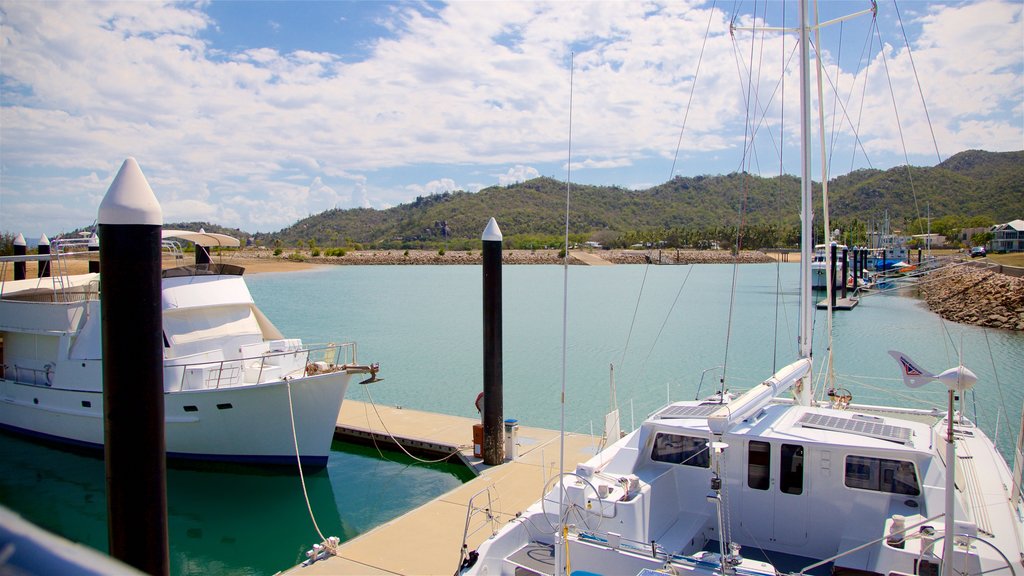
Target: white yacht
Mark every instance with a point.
(233, 384)
(821, 264)
(768, 483)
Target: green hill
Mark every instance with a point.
(968, 188)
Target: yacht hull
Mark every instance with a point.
(250, 424)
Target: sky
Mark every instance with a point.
(257, 114)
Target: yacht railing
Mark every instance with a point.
(490, 520)
(25, 375)
(262, 368)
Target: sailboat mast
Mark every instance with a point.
(803, 391)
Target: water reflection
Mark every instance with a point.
(235, 521)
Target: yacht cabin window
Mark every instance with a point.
(882, 475)
(679, 449)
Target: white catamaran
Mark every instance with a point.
(806, 485)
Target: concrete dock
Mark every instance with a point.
(841, 304)
(589, 259)
(427, 540)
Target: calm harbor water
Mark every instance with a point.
(423, 324)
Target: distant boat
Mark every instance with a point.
(820, 266)
(233, 384)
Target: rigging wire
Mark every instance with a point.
(829, 275)
(917, 80)
(778, 201)
(748, 137)
(669, 314)
(686, 114)
(565, 300)
(636, 309)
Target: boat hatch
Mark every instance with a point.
(897, 434)
(702, 411)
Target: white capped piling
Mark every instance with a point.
(20, 249)
(493, 445)
(43, 268)
(130, 223)
(94, 246)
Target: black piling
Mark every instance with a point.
(94, 246)
(130, 222)
(846, 269)
(494, 441)
(202, 254)
(918, 255)
(20, 249)
(43, 269)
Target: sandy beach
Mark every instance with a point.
(256, 261)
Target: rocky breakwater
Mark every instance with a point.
(673, 256)
(979, 297)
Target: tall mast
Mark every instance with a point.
(803, 391)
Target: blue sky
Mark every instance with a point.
(257, 114)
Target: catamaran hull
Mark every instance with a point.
(250, 424)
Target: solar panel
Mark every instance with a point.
(701, 411)
(888, 432)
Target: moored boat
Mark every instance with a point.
(233, 384)
(764, 483)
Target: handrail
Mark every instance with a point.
(336, 355)
(472, 511)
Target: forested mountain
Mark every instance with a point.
(973, 186)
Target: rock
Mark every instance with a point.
(972, 296)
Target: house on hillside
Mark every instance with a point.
(966, 234)
(1008, 237)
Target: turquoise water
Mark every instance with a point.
(424, 325)
(222, 521)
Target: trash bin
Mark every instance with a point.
(478, 440)
(511, 439)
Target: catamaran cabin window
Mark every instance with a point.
(759, 465)
(791, 469)
(678, 449)
(882, 475)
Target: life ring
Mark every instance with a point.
(480, 402)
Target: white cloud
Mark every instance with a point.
(590, 163)
(265, 137)
(517, 173)
(433, 187)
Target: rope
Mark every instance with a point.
(395, 440)
(329, 545)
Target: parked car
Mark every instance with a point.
(977, 251)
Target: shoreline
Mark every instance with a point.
(257, 261)
(265, 261)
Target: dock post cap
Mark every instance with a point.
(20, 240)
(94, 241)
(43, 240)
(130, 200)
(491, 233)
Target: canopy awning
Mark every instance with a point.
(202, 238)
